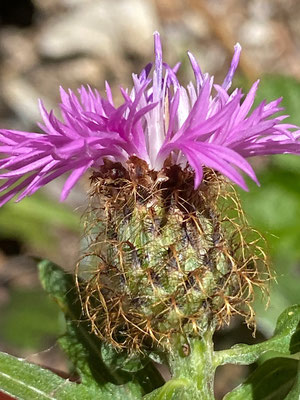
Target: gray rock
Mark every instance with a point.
(101, 29)
(22, 97)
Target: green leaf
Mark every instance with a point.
(121, 360)
(27, 381)
(86, 351)
(274, 210)
(286, 340)
(273, 380)
(32, 220)
(294, 393)
(274, 86)
(37, 327)
(136, 367)
(274, 207)
(172, 390)
(277, 375)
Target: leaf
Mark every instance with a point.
(273, 380)
(172, 390)
(32, 220)
(37, 327)
(274, 207)
(27, 381)
(286, 340)
(85, 350)
(277, 375)
(275, 86)
(274, 210)
(121, 360)
(294, 393)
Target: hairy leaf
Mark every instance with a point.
(286, 340)
(273, 380)
(28, 381)
(96, 364)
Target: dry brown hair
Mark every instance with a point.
(118, 318)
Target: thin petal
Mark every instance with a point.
(234, 63)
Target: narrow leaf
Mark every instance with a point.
(86, 351)
(172, 390)
(294, 393)
(273, 380)
(27, 381)
(286, 340)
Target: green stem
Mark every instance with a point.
(193, 363)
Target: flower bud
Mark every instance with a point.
(163, 258)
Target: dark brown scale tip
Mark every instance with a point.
(154, 277)
(138, 171)
(172, 263)
(127, 211)
(135, 259)
(110, 170)
(138, 301)
(206, 268)
(186, 349)
(190, 281)
(209, 258)
(191, 235)
(122, 279)
(216, 238)
(143, 194)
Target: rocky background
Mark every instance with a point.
(47, 43)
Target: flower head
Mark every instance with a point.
(158, 120)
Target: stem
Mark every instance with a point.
(194, 364)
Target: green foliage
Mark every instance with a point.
(33, 219)
(27, 381)
(273, 380)
(277, 374)
(274, 207)
(95, 363)
(110, 375)
(31, 312)
(172, 390)
(295, 390)
(275, 86)
(101, 374)
(286, 341)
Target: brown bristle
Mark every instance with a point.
(163, 258)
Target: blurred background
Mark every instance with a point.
(47, 43)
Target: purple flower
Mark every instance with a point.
(158, 119)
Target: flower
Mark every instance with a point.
(159, 119)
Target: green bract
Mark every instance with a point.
(163, 258)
